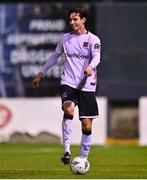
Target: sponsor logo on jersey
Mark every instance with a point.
(85, 44)
(76, 56)
(97, 46)
(92, 84)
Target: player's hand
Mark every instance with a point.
(36, 80)
(88, 71)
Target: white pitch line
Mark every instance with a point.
(33, 151)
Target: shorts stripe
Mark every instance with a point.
(92, 117)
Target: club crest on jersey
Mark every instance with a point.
(85, 44)
(97, 46)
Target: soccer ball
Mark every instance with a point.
(79, 165)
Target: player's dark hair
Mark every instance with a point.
(78, 9)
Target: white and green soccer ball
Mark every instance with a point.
(79, 165)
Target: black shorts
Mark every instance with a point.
(86, 101)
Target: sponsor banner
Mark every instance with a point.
(27, 40)
(36, 115)
(5, 115)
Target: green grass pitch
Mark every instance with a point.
(43, 162)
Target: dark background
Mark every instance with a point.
(121, 27)
(122, 77)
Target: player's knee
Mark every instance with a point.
(86, 125)
(86, 128)
(68, 111)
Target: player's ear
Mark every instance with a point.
(84, 20)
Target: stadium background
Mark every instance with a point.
(27, 38)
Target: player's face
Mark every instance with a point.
(76, 22)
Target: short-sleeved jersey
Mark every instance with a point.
(80, 51)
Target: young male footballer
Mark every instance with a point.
(78, 80)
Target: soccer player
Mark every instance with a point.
(78, 80)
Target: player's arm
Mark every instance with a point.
(37, 79)
(88, 71)
(95, 53)
(50, 61)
